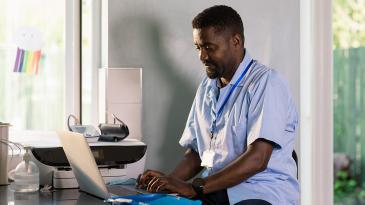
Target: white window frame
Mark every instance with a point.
(73, 58)
(96, 52)
(316, 142)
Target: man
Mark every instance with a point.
(241, 127)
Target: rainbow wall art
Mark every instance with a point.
(27, 61)
(29, 41)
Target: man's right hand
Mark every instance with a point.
(146, 177)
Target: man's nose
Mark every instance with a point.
(203, 55)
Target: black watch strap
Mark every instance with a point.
(198, 186)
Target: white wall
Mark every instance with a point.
(157, 36)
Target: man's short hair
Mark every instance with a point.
(220, 17)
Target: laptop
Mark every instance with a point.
(84, 167)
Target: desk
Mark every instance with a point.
(58, 197)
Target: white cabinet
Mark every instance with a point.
(120, 93)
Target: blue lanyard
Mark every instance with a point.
(212, 129)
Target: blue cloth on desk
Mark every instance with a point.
(155, 199)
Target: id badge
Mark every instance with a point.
(207, 159)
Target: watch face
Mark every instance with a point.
(198, 182)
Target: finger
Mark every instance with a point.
(151, 185)
(157, 182)
(145, 178)
(142, 178)
(144, 182)
(137, 181)
(161, 187)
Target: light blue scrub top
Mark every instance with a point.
(261, 106)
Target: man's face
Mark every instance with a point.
(216, 50)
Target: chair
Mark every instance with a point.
(295, 157)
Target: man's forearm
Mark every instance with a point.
(248, 164)
(188, 167)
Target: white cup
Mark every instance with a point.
(4, 134)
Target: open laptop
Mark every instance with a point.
(84, 167)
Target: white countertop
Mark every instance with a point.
(50, 139)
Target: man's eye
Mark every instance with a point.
(197, 48)
(208, 48)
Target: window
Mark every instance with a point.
(90, 55)
(33, 64)
(349, 101)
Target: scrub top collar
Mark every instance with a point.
(246, 60)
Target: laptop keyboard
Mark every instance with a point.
(124, 190)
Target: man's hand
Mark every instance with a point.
(172, 185)
(146, 177)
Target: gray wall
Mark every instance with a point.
(157, 36)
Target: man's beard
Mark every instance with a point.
(212, 73)
(211, 69)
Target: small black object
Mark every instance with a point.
(198, 186)
(113, 132)
(106, 138)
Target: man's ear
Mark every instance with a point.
(237, 40)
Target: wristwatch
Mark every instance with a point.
(198, 186)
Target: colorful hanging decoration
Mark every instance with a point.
(27, 61)
(28, 55)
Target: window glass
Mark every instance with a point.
(87, 78)
(349, 101)
(90, 53)
(32, 64)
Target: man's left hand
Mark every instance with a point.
(172, 185)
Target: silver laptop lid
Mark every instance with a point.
(83, 163)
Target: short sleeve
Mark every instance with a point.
(271, 111)
(188, 138)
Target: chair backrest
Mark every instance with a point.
(295, 157)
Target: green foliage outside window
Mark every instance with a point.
(348, 23)
(349, 98)
(347, 190)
